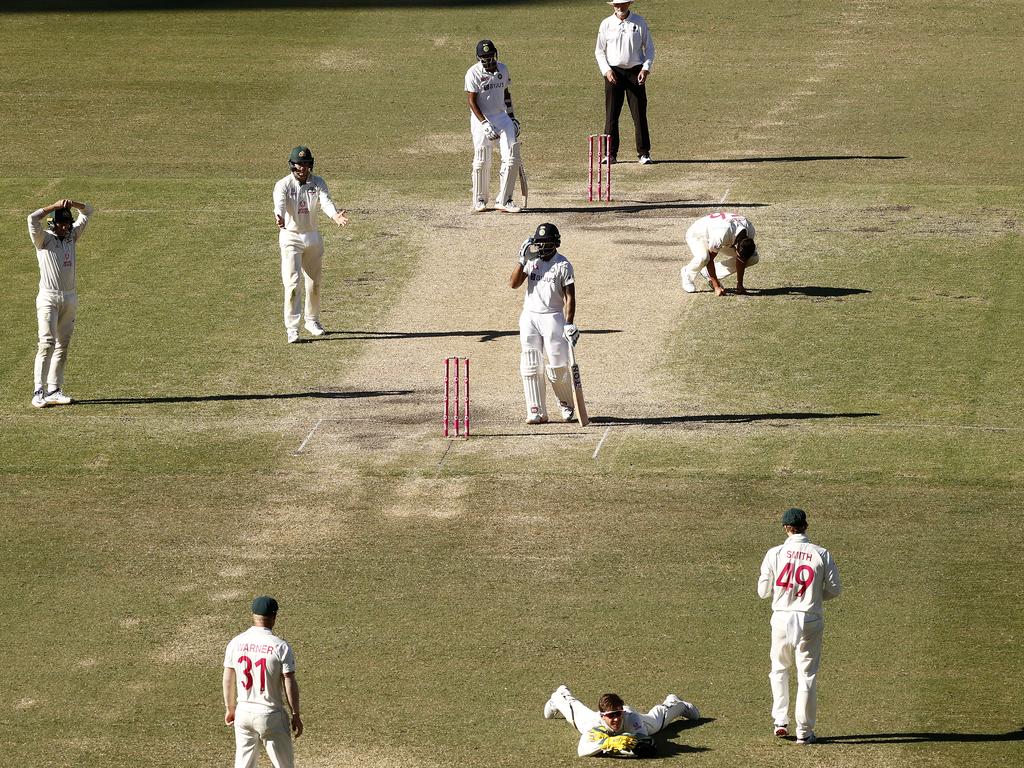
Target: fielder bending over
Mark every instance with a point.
(491, 119)
(725, 235)
(297, 198)
(546, 322)
(57, 300)
(615, 729)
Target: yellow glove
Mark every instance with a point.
(622, 743)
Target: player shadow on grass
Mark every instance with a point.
(812, 291)
(779, 159)
(725, 418)
(665, 748)
(483, 336)
(920, 737)
(227, 398)
(639, 206)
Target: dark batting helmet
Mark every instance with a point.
(547, 233)
(487, 54)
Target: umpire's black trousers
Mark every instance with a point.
(629, 89)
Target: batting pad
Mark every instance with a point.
(533, 389)
(561, 384)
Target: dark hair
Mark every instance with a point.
(610, 702)
(745, 248)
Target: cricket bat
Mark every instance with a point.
(522, 183)
(577, 389)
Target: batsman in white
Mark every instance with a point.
(492, 119)
(57, 300)
(297, 198)
(799, 577)
(546, 322)
(728, 237)
(614, 729)
(259, 676)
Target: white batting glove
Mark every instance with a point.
(524, 251)
(572, 333)
(490, 133)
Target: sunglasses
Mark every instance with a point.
(616, 713)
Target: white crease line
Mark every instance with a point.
(309, 436)
(725, 196)
(603, 438)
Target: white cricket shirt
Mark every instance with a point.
(57, 258)
(799, 576)
(298, 203)
(718, 230)
(489, 88)
(544, 283)
(260, 658)
(626, 43)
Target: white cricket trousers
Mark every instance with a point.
(55, 311)
(545, 331)
(272, 729)
(584, 718)
(725, 264)
(482, 151)
(301, 253)
(796, 642)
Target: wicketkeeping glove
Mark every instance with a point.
(490, 133)
(572, 333)
(624, 742)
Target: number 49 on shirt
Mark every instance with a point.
(798, 578)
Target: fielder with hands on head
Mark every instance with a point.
(799, 577)
(614, 729)
(491, 119)
(546, 323)
(728, 237)
(259, 676)
(297, 198)
(625, 54)
(57, 300)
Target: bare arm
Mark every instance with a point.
(228, 686)
(569, 292)
(712, 277)
(518, 277)
(474, 107)
(291, 692)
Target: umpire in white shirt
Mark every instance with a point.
(625, 53)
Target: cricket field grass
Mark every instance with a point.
(437, 591)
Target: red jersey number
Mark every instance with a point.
(799, 578)
(247, 678)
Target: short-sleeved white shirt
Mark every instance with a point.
(718, 230)
(545, 282)
(298, 203)
(489, 88)
(260, 660)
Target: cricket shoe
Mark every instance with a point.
(38, 399)
(645, 160)
(537, 420)
(293, 337)
(807, 738)
(550, 710)
(780, 730)
(56, 397)
(690, 712)
(688, 284)
(609, 160)
(479, 206)
(314, 328)
(568, 414)
(509, 207)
